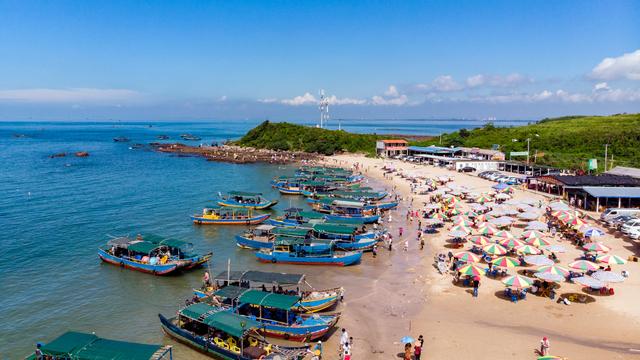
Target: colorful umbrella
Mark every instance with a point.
(575, 222)
(607, 276)
(463, 222)
(505, 234)
(467, 256)
(528, 249)
(487, 229)
(597, 247)
(495, 249)
(453, 211)
(433, 206)
(481, 218)
(506, 262)
(549, 276)
(517, 281)
(554, 269)
(538, 260)
(458, 234)
(463, 228)
(471, 270)
(479, 240)
(593, 232)
(611, 259)
(589, 281)
(583, 265)
(537, 242)
(532, 234)
(510, 243)
(438, 216)
(470, 214)
(482, 199)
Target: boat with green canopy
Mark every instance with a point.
(83, 346)
(245, 200)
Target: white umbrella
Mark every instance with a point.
(529, 216)
(558, 206)
(607, 276)
(510, 211)
(503, 220)
(431, 221)
(439, 192)
(589, 281)
(528, 201)
(478, 207)
(538, 260)
(549, 276)
(457, 233)
(496, 213)
(513, 202)
(456, 192)
(555, 248)
(537, 225)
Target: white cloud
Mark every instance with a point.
(445, 83)
(74, 96)
(398, 100)
(392, 91)
(626, 66)
(601, 86)
(475, 80)
(333, 100)
(308, 99)
(510, 80)
(305, 99)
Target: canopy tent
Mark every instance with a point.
(263, 277)
(261, 298)
(219, 318)
(265, 227)
(244, 193)
(311, 215)
(335, 229)
(143, 247)
(230, 292)
(156, 239)
(299, 232)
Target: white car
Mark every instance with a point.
(634, 234)
(631, 226)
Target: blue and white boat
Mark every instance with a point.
(246, 200)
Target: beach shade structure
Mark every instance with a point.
(611, 259)
(465, 229)
(589, 281)
(537, 225)
(574, 222)
(487, 229)
(592, 232)
(481, 218)
(494, 249)
(505, 262)
(554, 269)
(458, 234)
(526, 208)
(510, 211)
(532, 234)
(471, 270)
(503, 196)
(597, 247)
(538, 260)
(529, 215)
(504, 234)
(438, 216)
(479, 240)
(555, 248)
(561, 214)
(462, 221)
(528, 250)
(558, 205)
(549, 277)
(407, 340)
(496, 213)
(439, 191)
(502, 221)
(607, 276)
(583, 265)
(478, 207)
(482, 199)
(453, 212)
(517, 281)
(467, 256)
(433, 206)
(448, 195)
(470, 214)
(538, 242)
(510, 243)
(433, 221)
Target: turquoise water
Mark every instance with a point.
(55, 212)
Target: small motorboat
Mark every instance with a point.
(244, 199)
(217, 215)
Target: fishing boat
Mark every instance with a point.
(77, 345)
(346, 237)
(151, 254)
(286, 253)
(280, 315)
(351, 212)
(295, 217)
(228, 216)
(220, 333)
(311, 300)
(289, 186)
(264, 236)
(190, 137)
(246, 200)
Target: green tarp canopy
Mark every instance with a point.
(197, 310)
(262, 277)
(348, 204)
(243, 193)
(83, 346)
(175, 243)
(230, 323)
(261, 298)
(335, 229)
(291, 231)
(143, 247)
(288, 240)
(314, 183)
(311, 215)
(230, 292)
(327, 200)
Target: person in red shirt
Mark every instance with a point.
(417, 350)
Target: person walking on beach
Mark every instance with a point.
(476, 284)
(407, 351)
(374, 250)
(406, 245)
(400, 230)
(417, 350)
(544, 346)
(344, 339)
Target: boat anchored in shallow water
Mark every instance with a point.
(290, 253)
(247, 200)
(228, 216)
(151, 254)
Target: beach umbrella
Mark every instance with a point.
(503, 196)
(530, 215)
(478, 207)
(462, 222)
(532, 234)
(513, 202)
(528, 250)
(607, 276)
(495, 249)
(583, 265)
(487, 229)
(554, 269)
(537, 225)
(561, 213)
(555, 248)
(453, 211)
(538, 260)
(448, 195)
(502, 221)
(529, 201)
(479, 240)
(505, 234)
(482, 199)
(510, 243)
(589, 281)
(597, 247)
(505, 262)
(467, 256)
(457, 234)
(466, 229)
(438, 216)
(470, 214)
(517, 281)
(496, 213)
(510, 211)
(549, 277)
(593, 232)
(575, 222)
(537, 242)
(481, 218)
(433, 206)
(407, 340)
(558, 205)
(456, 192)
(471, 270)
(432, 221)
(611, 259)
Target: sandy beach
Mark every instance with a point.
(401, 293)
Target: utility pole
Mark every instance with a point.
(528, 143)
(324, 109)
(606, 148)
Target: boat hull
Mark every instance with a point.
(165, 269)
(286, 191)
(368, 219)
(246, 243)
(359, 245)
(287, 258)
(260, 206)
(250, 221)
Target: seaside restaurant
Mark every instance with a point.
(391, 148)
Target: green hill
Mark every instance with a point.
(565, 142)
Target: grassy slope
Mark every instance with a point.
(566, 142)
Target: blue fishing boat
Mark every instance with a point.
(280, 315)
(295, 217)
(286, 253)
(352, 218)
(246, 200)
(264, 236)
(220, 333)
(216, 215)
(151, 254)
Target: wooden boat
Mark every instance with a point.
(264, 236)
(190, 137)
(295, 217)
(151, 255)
(228, 216)
(280, 315)
(77, 345)
(285, 253)
(289, 186)
(246, 200)
(350, 212)
(220, 333)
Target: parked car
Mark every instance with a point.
(611, 213)
(617, 221)
(634, 234)
(630, 226)
(467, 169)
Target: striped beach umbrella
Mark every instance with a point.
(467, 256)
(532, 234)
(592, 232)
(554, 269)
(470, 214)
(482, 199)
(463, 222)
(575, 222)
(560, 214)
(538, 260)
(495, 249)
(583, 265)
(481, 218)
(528, 250)
(517, 281)
(505, 262)
(438, 216)
(510, 243)
(538, 242)
(597, 247)
(453, 211)
(611, 259)
(463, 228)
(505, 234)
(471, 270)
(479, 240)
(487, 229)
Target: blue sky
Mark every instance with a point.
(172, 60)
